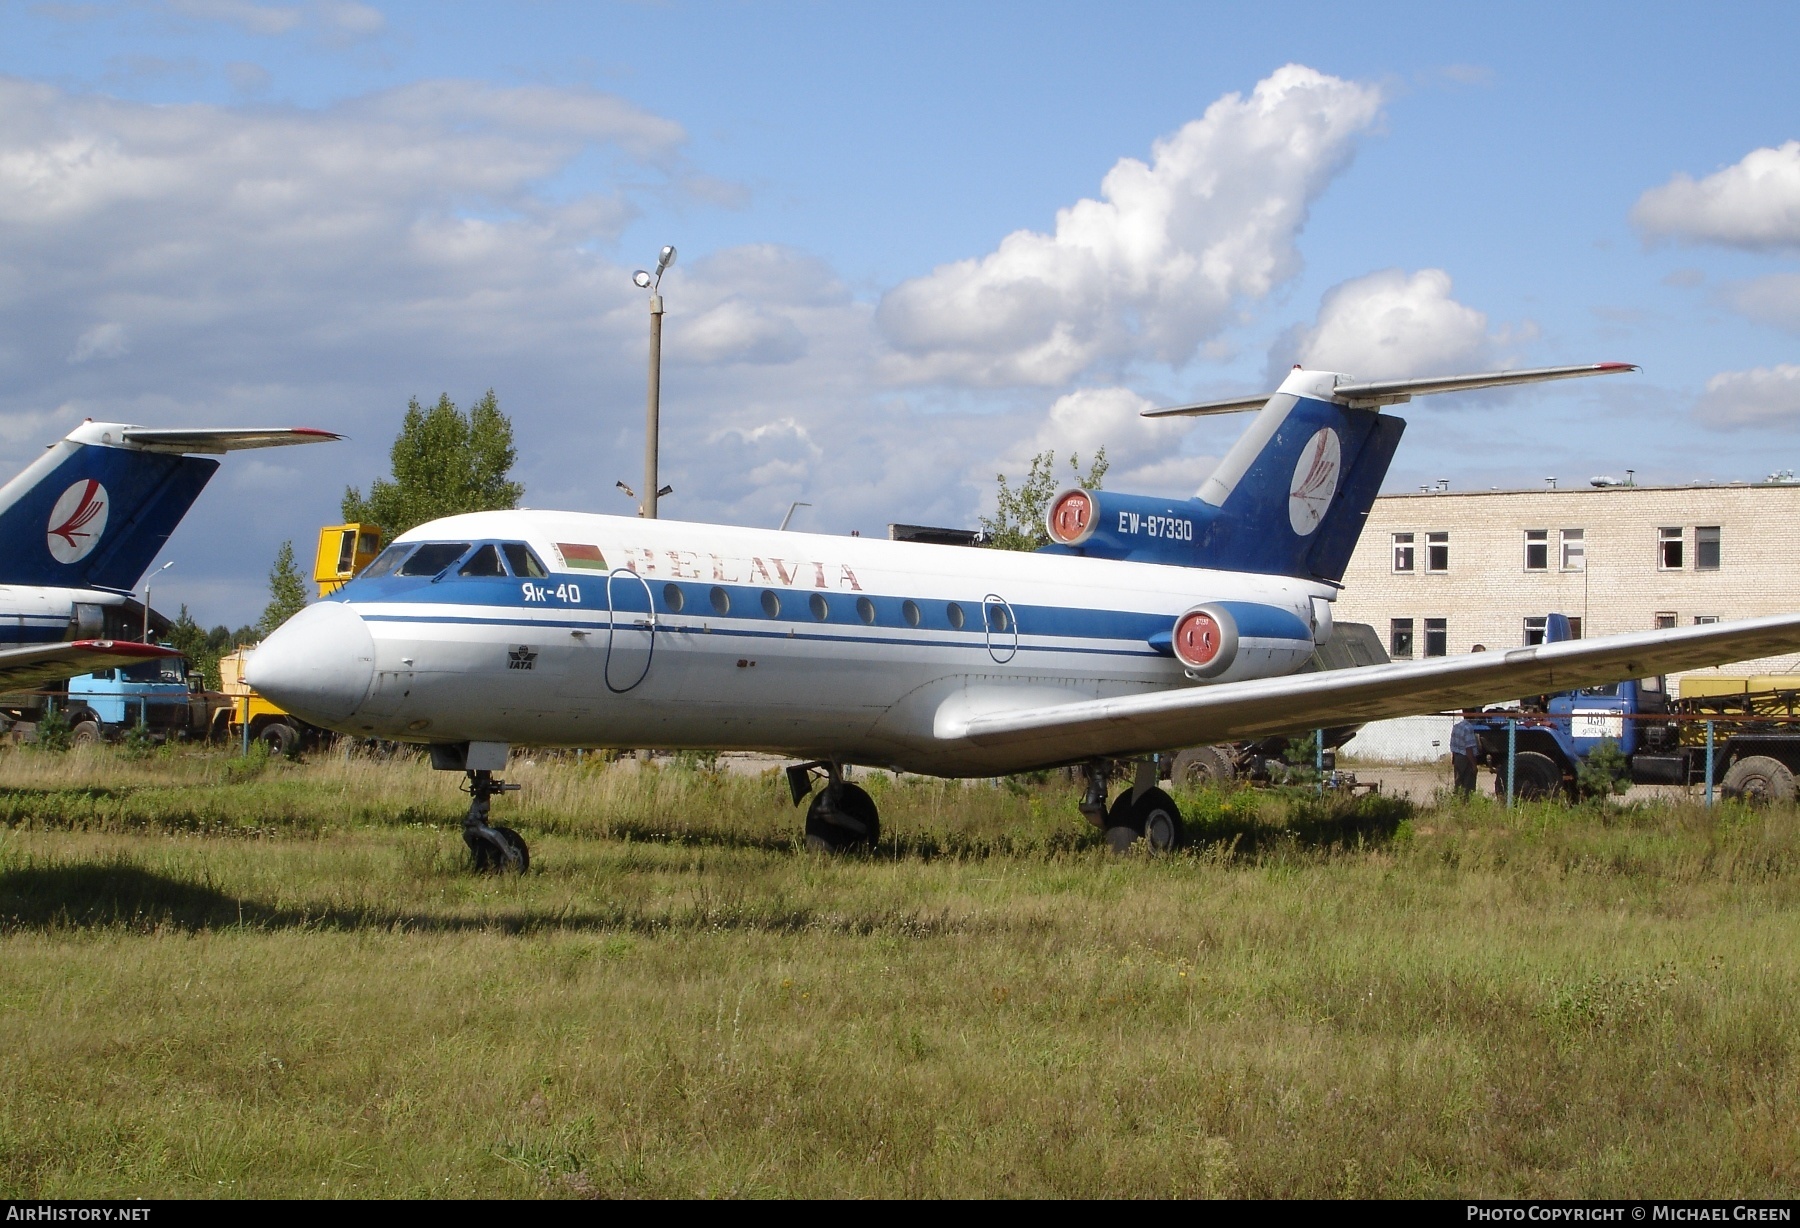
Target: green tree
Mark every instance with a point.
(1606, 772)
(444, 462)
(1019, 520)
(287, 591)
(191, 640)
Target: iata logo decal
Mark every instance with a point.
(521, 658)
(1315, 481)
(77, 521)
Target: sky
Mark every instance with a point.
(917, 244)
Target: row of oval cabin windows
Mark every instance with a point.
(433, 557)
(675, 601)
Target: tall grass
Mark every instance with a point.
(275, 978)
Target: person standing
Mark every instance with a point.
(1464, 747)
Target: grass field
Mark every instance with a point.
(252, 978)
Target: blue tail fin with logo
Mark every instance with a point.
(1290, 498)
(94, 511)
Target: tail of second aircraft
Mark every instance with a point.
(1291, 496)
(98, 506)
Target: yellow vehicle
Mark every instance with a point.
(344, 550)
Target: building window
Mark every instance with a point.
(1400, 639)
(1574, 550)
(1665, 619)
(1701, 620)
(1706, 548)
(1403, 552)
(1534, 630)
(1437, 552)
(1537, 549)
(1668, 549)
(1437, 637)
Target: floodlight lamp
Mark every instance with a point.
(641, 279)
(665, 259)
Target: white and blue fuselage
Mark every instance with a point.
(568, 629)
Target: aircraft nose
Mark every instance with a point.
(317, 665)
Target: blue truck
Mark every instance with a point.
(157, 694)
(1754, 747)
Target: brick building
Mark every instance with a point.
(1439, 572)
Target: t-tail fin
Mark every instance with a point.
(97, 507)
(1292, 495)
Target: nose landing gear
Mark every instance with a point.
(494, 848)
(841, 816)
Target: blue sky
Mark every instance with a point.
(224, 211)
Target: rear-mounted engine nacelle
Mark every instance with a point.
(1205, 640)
(1072, 517)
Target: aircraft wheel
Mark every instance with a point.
(488, 858)
(85, 733)
(1160, 821)
(1759, 780)
(1154, 818)
(839, 833)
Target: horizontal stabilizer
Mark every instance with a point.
(1375, 393)
(36, 665)
(1233, 711)
(220, 439)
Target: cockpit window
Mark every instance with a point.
(384, 562)
(484, 562)
(432, 558)
(524, 562)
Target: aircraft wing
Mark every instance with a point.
(221, 439)
(1233, 711)
(33, 665)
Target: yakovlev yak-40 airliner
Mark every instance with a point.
(77, 529)
(1149, 624)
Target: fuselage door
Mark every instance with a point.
(1002, 628)
(631, 632)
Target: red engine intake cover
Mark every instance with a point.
(1071, 518)
(1198, 639)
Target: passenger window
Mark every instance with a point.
(865, 610)
(771, 604)
(385, 562)
(523, 561)
(432, 558)
(909, 610)
(819, 609)
(672, 598)
(721, 600)
(954, 613)
(484, 562)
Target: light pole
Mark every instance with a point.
(147, 580)
(652, 413)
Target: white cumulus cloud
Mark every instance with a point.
(1389, 325)
(1143, 454)
(1761, 396)
(1155, 266)
(1754, 203)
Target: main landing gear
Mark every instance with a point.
(841, 816)
(494, 848)
(1142, 812)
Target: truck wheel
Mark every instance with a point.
(281, 737)
(85, 733)
(1536, 777)
(1202, 765)
(1759, 779)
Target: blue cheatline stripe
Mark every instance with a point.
(1255, 620)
